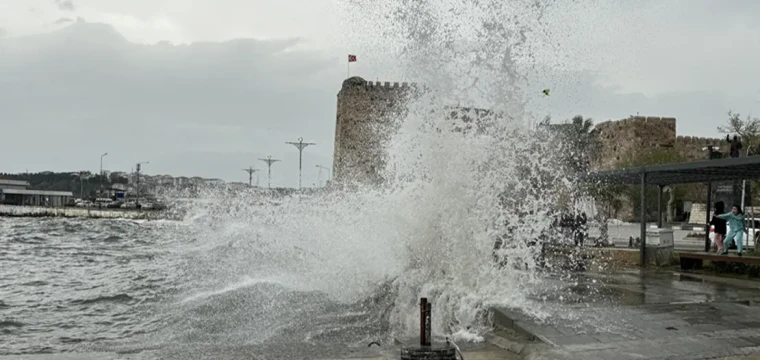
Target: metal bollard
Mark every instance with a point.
(426, 350)
(423, 324)
(428, 324)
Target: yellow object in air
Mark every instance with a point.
(546, 92)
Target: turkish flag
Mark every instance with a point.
(351, 58)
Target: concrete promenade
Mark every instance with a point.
(642, 315)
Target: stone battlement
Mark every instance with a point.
(637, 122)
(695, 140)
(357, 81)
(691, 146)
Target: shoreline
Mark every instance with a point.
(74, 212)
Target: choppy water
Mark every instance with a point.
(111, 285)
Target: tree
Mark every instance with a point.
(577, 143)
(748, 130)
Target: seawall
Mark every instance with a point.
(70, 212)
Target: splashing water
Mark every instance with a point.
(430, 230)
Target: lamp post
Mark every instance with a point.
(269, 162)
(300, 145)
(101, 172)
(329, 173)
(250, 170)
(137, 188)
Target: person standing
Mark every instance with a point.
(735, 229)
(719, 226)
(736, 146)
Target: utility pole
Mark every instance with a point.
(269, 162)
(329, 173)
(250, 170)
(137, 188)
(300, 145)
(101, 172)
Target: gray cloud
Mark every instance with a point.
(65, 5)
(62, 20)
(75, 93)
(212, 108)
(3, 32)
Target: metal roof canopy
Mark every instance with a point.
(741, 168)
(706, 171)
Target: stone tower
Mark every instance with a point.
(365, 119)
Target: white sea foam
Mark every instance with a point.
(430, 230)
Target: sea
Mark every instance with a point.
(91, 286)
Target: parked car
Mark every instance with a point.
(129, 205)
(114, 205)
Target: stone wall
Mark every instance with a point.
(619, 139)
(692, 147)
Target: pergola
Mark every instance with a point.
(707, 172)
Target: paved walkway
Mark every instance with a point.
(648, 315)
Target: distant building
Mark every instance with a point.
(13, 184)
(16, 192)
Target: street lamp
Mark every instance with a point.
(137, 188)
(300, 145)
(329, 173)
(269, 162)
(101, 172)
(250, 170)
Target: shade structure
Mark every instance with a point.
(742, 168)
(706, 171)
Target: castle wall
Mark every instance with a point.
(690, 147)
(619, 139)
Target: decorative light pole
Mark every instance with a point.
(269, 162)
(300, 145)
(250, 170)
(137, 189)
(101, 172)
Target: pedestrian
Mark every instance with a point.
(736, 146)
(719, 226)
(735, 229)
(579, 228)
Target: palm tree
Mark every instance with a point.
(579, 143)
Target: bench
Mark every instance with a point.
(694, 260)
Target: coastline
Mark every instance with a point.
(73, 212)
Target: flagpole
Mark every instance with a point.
(348, 69)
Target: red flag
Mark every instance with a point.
(351, 58)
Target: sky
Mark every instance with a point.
(208, 87)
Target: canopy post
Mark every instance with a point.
(659, 206)
(643, 218)
(708, 211)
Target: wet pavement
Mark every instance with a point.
(643, 315)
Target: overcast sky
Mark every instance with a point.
(205, 88)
